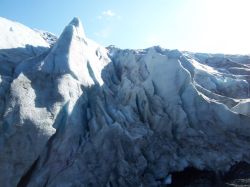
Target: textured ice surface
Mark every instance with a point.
(78, 114)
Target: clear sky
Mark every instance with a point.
(220, 26)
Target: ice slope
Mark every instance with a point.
(18, 42)
(14, 35)
(82, 115)
(213, 76)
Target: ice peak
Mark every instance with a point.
(77, 24)
(74, 54)
(75, 21)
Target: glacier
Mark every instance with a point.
(74, 113)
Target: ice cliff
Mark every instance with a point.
(77, 114)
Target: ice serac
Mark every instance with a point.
(44, 90)
(82, 115)
(70, 55)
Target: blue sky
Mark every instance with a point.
(220, 26)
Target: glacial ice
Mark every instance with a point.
(78, 114)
